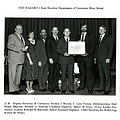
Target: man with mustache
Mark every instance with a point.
(86, 61)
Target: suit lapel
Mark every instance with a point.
(65, 41)
(103, 40)
(86, 37)
(55, 40)
(19, 39)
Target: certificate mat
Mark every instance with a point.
(76, 47)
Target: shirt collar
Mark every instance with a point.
(18, 35)
(102, 36)
(55, 36)
(84, 33)
(67, 38)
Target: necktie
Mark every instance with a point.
(82, 37)
(56, 39)
(67, 39)
(100, 39)
(21, 38)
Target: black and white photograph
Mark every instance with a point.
(59, 59)
(60, 56)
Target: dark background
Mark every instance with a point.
(74, 24)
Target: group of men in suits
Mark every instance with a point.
(52, 56)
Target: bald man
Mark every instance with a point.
(66, 62)
(16, 50)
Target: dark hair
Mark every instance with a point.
(83, 24)
(30, 31)
(103, 26)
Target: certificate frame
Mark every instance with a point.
(76, 47)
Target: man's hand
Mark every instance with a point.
(51, 61)
(24, 49)
(95, 60)
(84, 55)
(66, 54)
(39, 64)
(107, 60)
(31, 63)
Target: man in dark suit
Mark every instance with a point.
(51, 48)
(16, 50)
(66, 62)
(86, 61)
(103, 57)
(42, 61)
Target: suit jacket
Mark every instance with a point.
(15, 55)
(104, 49)
(90, 45)
(61, 49)
(51, 48)
(41, 51)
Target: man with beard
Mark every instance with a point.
(85, 61)
(42, 61)
(51, 47)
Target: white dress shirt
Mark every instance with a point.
(101, 37)
(83, 33)
(67, 39)
(55, 37)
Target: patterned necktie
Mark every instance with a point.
(100, 40)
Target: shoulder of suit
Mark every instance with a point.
(109, 36)
(37, 41)
(12, 36)
(89, 34)
(61, 38)
(50, 37)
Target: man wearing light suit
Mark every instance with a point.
(16, 48)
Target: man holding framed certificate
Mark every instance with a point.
(86, 59)
(66, 62)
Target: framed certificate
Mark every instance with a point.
(76, 47)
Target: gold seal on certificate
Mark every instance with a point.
(76, 47)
